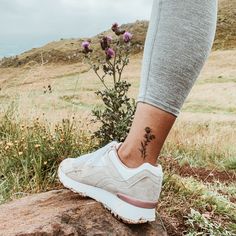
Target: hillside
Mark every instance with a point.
(68, 51)
(226, 26)
(46, 116)
(200, 166)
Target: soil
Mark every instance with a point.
(207, 175)
(174, 226)
(200, 173)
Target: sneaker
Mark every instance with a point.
(131, 194)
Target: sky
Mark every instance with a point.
(25, 24)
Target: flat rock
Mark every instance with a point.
(62, 212)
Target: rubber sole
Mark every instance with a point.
(120, 209)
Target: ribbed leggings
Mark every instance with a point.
(178, 42)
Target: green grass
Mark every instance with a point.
(180, 195)
(201, 225)
(30, 154)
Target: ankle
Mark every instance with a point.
(129, 157)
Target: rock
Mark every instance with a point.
(62, 212)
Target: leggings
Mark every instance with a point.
(178, 42)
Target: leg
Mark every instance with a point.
(179, 40)
(160, 123)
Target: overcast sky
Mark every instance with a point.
(31, 23)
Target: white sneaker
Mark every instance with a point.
(129, 193)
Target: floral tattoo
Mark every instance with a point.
(148, 137)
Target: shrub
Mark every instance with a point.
(116, 118)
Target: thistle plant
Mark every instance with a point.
(117, 115)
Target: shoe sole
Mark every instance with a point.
(120, 209)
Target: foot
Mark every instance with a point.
(129, 193)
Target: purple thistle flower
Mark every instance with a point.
(86, 48)
(105, 42)
(115, 27)
(110, 53)
(85, 44)
(127, 36)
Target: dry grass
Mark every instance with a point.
(212, 97)
(203, 136)
(201, 144)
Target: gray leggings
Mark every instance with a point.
(179, 40)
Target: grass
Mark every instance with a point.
(31, 148)
(198, 222)
(192, 187)
(180, 195)
(30, 153)
(218, 79)
(77, 101)
(206, 108)
(73, 74)
(212, 95)
(201, 144)
(4, 97)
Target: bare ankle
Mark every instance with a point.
(128, 157)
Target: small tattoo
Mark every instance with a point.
(148, 137)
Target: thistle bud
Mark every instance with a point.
(110, 53)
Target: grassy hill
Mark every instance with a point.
(39, 128)
(45, 127)
(68, 51)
